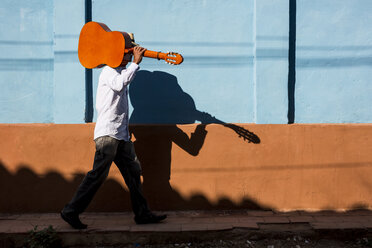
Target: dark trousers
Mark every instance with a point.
(110, 150)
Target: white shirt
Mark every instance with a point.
(112, 102)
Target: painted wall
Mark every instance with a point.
(69, 75)
(293, 167)
(236, 68)
(26, 61)
(227, 53)
(236, 57)
(334, 61)
(218, 49)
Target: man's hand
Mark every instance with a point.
(138, 54)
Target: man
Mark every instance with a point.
(113, 144)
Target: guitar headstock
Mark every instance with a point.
(247, 135)
(173, 58)
(244, 133)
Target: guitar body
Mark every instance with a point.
(98, 46)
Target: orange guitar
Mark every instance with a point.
(99, 46)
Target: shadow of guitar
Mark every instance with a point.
(247, 135)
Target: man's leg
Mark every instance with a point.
(106, 148)
(130, 168)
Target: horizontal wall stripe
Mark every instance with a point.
(326, 62)
(26, 64)
(25, 43)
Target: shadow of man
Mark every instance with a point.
(157, 98)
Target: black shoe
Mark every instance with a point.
(73, 220)
(149, 218)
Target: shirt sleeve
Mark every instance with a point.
(119, 80)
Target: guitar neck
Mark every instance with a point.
(149, 54)
(171, 58)
(154, 55)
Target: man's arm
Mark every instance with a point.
(122, 79)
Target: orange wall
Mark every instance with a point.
(301, 166)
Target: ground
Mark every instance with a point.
(261, 229)
(295, 242)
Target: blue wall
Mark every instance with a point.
(69, 75)
(236, 57)
(26, 61)
(334, 61)
(215, 38)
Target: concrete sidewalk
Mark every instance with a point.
(112, 227)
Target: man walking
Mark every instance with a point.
(111, 136)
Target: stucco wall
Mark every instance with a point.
(236, 57)
(218, 49)
(309, 167)
(334, 59)
(69, 75)
(245, 60)
(26, 61)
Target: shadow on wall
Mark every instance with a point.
(25, 191)
(157, 98)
